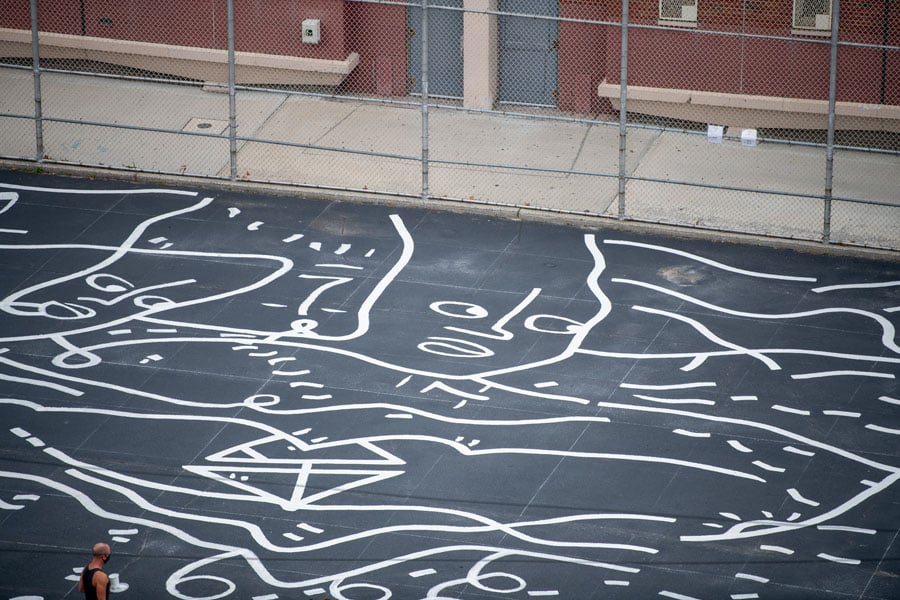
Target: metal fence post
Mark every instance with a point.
(832, 98)
(623, 94)
(232, 117)
(424, 75)
(36, 67)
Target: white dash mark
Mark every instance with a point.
(779, 549)
(119, 332)
(881, 429)
(122, 532)
(332, 310)
(319, 440)
(842, 413)
(263, 354)
(767, 514)
(153, 357)
(739, 446)
(233, 212)
(398, 416)
(793, 493)
(309, 528)
(342, 249)
(744, 398)
(696, 434)
(404, 381)
(292, 238)
(19, 231)
(794, 516)
(302, 431)
(157, 330)
(798, 451)
(32, 497)
(714, 525)
(314, 592)
(842, 373)
(729, 515)
(293, 536)
(473, 443)
(245, 347)
(868, 483)
(309, 384)
(460, 404)
(254, 226)
(768, 467)
(36, 442)
(283, 359)
(274, 305)
(671, 386)
(236, 335)
(291, 373)
(157, 240)
(620, 582)
(121, 540)
(755, 578)
(744, 596)
(339, 266)
(788, 409)
(166, 246)
(889, 400)
(422, 573)
(245, 477)
(846, 529)
(19, 432)
(544, 593)
(669, 594)
(266, 597)
(8, 506)
(675, 400)
(74, 577)
(317, 246)
(370, 253)
(318, 397)
(459, 438)
(838, 559)
(545, 384)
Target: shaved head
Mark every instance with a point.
(100, 548)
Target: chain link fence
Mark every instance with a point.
(773, 118)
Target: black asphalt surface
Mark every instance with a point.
(259, 397)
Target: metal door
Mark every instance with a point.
(529, 52)
(445, 56)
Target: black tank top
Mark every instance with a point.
(87, 578)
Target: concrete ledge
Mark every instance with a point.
(738, 110)
(204, 64)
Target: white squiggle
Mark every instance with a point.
(705, 332)
(844, 373)
(707, 261)
(670, 386)
(888, 331)
(675, 400)
(855, 286)
(103, 192)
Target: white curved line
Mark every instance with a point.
(708, 261)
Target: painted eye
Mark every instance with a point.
(553, 324)
(459, 310)
(105, 282)
(66, 310)
(455, 348)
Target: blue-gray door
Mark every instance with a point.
(529, 52)
(445, 56)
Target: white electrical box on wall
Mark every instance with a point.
(311, 31)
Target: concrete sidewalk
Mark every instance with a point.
(372, 147)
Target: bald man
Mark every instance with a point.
(94, 582)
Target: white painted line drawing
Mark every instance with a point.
(454, 402)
